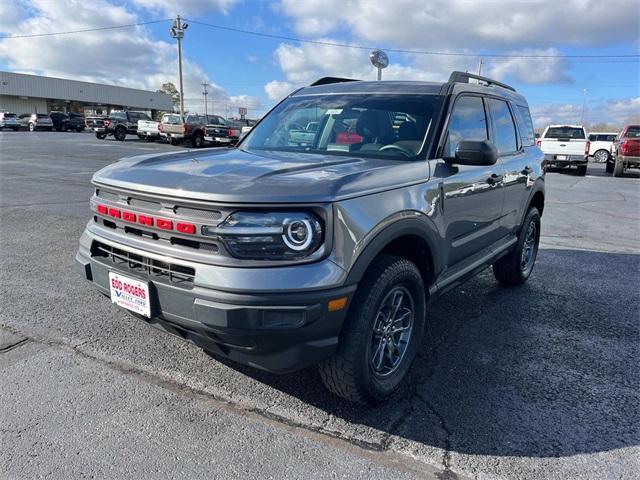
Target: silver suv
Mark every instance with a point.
(323, 248)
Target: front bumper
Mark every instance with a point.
(225, 140)
(552, 160)
(274, 330)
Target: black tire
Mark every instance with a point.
(511, 270)
(79, 129)
(120, 133)
(32, 127)
(101, 136)
(151, 139)
(582, 170)
(15, 129)
(350, 372)
(174, 142)
(609, 167)
(197, 141)
(618, 168)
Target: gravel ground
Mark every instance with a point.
(539, 382)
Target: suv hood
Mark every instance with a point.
(234, 175)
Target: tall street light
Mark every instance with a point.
(177, 32)
(205, 92)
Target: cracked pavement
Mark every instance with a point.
(536, 382)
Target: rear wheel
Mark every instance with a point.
(151, 139)
(101, 136)
(120, 133)
(198, 140)
(515, 268)
(582, 170)
(618, 168)
(174, 141)
(32, 127)
(381, 335)
(601, 156)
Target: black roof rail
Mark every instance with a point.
(329, 80)
(463, 77)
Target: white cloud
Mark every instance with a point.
(543, 70)
(612, 112)
(276, 90)
(460, 23)
(186, 7)
(127, 57)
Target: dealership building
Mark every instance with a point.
(21, 93)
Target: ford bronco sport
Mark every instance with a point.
(280, 254)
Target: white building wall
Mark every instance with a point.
(19, 105)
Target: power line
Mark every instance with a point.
(85, 30)
(397, 50)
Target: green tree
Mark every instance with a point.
(171, 90)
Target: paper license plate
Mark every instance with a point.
(561, 157)
(130, 293)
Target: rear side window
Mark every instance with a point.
(633, 132)
(504, 128)
(468, 122)
(525, 125)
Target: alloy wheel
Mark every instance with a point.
(529, 249)
(392, 330)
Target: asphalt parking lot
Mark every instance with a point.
(538, 382)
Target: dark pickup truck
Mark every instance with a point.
(63, 122)
(119, 124)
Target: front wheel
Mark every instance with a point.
(601, 156)
(381, 335)
(582, 170)
(101, 136)
(515, 268)
(32, 127)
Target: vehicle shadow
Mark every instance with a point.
(545, 370)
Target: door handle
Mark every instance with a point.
(494, 179)
(527, 170)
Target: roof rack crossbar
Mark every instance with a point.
(329, 80)
(463, 77)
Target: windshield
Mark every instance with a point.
(383, 126)
(565, 132)
(172, 119)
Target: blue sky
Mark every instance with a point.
(257, 71)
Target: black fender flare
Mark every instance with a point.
(416, 226)
(538, 187)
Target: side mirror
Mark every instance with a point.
(476, 152)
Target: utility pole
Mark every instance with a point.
(584, 103)
(205, 92)
(177, 32)
(480, 67)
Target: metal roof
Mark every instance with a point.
(23, 85)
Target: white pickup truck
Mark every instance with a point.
(565, 146)
(148, 129)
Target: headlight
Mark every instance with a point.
(269, 235)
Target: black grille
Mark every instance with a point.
(127, 261)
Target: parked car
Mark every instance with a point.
(149, 130)
(35, 121)
(218, 131)
(280, 256)
(9, 120)
(191, 128)
(565, 146)
(119, 124)
(600, 144)
(625, 152)
(63, 122)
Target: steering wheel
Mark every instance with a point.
(402, 150)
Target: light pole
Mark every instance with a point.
(205, 92)
(584, 103)
(177, 32)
